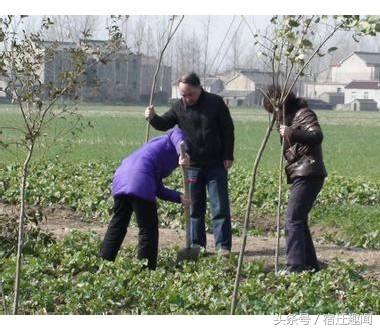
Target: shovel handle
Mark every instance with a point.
(182, 148)
(186, 210)
(185, 183)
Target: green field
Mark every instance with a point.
(75, 173)
(351, 150)
(351, 140)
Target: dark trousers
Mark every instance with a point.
(147, 221)
(300, 249)
(216, 181)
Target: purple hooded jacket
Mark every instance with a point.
(141, 173)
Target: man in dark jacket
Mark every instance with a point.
(207, 122)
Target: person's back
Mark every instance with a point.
(136, 184)
(303, 146)
(141, 172)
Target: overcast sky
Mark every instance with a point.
(219, 26)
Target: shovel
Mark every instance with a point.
(189, 252)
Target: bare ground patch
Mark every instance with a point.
(61, 221)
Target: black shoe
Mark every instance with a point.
(288, 271)
(295, 269)
(316, 268)
(321, 265)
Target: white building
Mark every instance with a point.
(357, 66)
(362, 89)
(244, 86)
(3, 86)
(317, 89)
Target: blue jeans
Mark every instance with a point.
(216, 181)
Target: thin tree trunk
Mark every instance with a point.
(248, 211)
(278, 216)
(170, 36)
(279, 210)
(3, 298)
(206, 48)
(25, 170)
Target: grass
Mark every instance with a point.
(351, 225)
(351, 139)
(68, 278)
(351, 146)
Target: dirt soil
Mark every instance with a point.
(60, 222)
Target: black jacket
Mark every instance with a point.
(303, 146)
(208, 125)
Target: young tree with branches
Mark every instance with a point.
(39, 102)
(288, 51)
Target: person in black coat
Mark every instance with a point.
(302, 137)
(207, 122)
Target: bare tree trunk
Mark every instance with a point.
(125, 31)
(248, 211)
(170, 36)
(25, 170)
(280, 176)
(3, 298)
(206, 49)
(279, 210)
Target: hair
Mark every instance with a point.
(292, 102)
(191, 79)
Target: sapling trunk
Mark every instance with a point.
(25, 172)
(3, 298)
(151, 98)
(278, 215)
(248, 211)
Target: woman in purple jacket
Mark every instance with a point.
(136, 184)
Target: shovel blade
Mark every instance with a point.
(188, 254)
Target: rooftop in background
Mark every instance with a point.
(365, 101)
(229, 93)
(71, 44)
(369, 57)
(363, 84)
